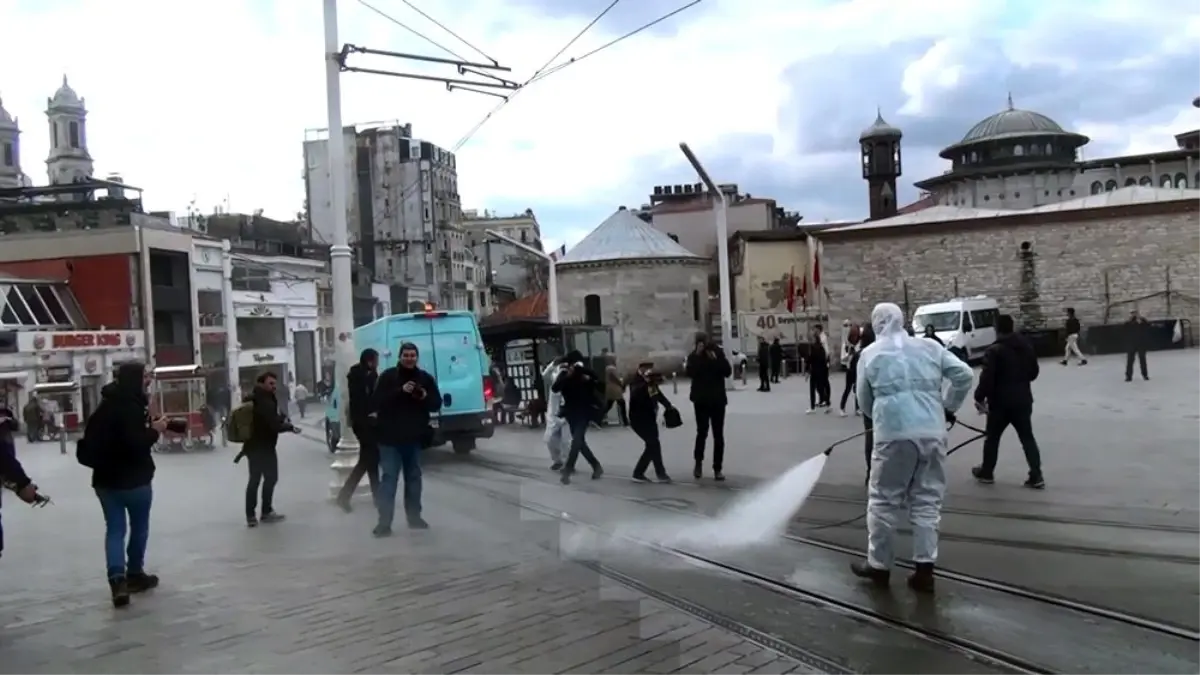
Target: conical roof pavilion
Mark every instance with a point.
(625, 237)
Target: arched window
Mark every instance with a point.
(1018, 150)
(1097, 187)
(591, 310)
(54, 134)
(696, 306)
(1165, 181)
(1110, 185)
(1181, 180)
(1147, 181)
(1049, 149)
(73, 131)
(1130, 182)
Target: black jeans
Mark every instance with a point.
(652, 453)
(622, 411)
(1141, 359)
(579, 421)
(764, 377)
(264, 470)
(710, 416)
(776, 370)
(850, 384)
(1020, 419)
(818, 387)
(367, 465)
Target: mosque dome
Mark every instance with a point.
(880, 129)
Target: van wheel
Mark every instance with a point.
(463, 446)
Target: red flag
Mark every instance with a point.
(791, 291)
(804, 292)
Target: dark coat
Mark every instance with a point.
(268, 422)
(402, 418)
(707, 371)
(119, 435)
(1009, 368)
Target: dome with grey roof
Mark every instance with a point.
(6, 120)
(625, 237)
(1013, 126)
(65, 97)
(880, 129)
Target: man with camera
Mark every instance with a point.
(405, 397)
(12, 474)
(578, 385)
(644, 398)
(261, 450)
(708, 368)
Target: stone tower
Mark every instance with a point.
(880, 144)
(10, 150)
(69, 161)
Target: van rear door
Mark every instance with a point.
(457, 364)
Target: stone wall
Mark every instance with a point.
(648, 305)
(1102, 268)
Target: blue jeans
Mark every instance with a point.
(394, 460)
(126, 511)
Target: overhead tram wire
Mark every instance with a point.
(456, 36)
(597, 50)
(416, 32)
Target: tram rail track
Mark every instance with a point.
(1098, 611)
(977, 652)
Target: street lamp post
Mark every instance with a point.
(339, 254)
(722, 216)
(551, 282)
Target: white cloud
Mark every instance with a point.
(209, 99)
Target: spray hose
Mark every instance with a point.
(979, 435)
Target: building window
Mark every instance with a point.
(1180, 181)
(1110, 185)
(1097, 187)
(1165, 181)
(696, 306)
(245, 279)
(54, 134)
(9, 160)
(73, 130)
(1018, 150)
(1146, 181)
(591, 310)
(1130, 182)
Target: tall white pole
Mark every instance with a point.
(232, 348)
(339, 254)
(721, 210)
(552, 291)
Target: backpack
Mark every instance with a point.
(241, 423)
(88, 447)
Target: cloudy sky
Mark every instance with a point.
(208, 100)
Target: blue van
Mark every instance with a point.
(451, 350)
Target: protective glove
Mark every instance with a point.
(950, 417)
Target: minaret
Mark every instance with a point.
(69, 161)
(880, 144)
(10, 150)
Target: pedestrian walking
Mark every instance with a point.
(901, 381)
(776, 360)
(558, 432)
(577, 384)
(301, 392)
(261, 450)
(360, 386)
(1137, 335)
(1009, 368)
(1074, 330)
(862, 340)
(116, 446)
(819, 391)
(614, 391)
(931, 334)
(764, 364)
(708, 368)
(645, 397)
(405, 398)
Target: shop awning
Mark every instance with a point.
(27, 304)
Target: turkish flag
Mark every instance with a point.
(804, 292)
(791, 291)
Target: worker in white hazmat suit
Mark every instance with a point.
(901, 380)
(558, 433)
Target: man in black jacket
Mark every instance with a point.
(12, 474)
(1009, 368)
(1137, 334)
(764, 364)
(117, 444)
(261, 450)
(405, 397)
(776, 360)
(1074, 331)
(708, 369)
(360, 385)
(579, 387)
(644, 399)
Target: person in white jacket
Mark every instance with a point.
(901, 380)
(558, 433)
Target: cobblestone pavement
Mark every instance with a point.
(318, 594)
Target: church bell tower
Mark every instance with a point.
(880, 144)
(69, 160)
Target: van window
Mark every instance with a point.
(985, 318)
(941, 321)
